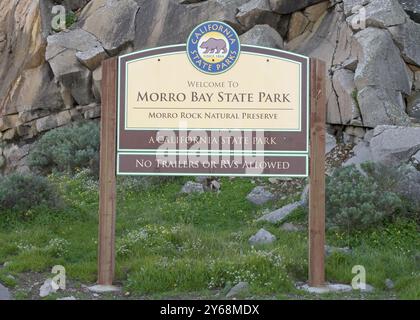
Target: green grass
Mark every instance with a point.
(174, 245)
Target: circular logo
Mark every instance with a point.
(213, 47)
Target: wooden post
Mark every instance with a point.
(107, 179)
(317, 175)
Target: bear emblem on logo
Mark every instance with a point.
(214, 46)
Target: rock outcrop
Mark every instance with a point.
(51, 78)
(263, 35)
(391, 145)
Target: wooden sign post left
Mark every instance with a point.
(107, 175)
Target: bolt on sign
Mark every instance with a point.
(213, 107)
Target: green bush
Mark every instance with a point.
(357, 200)
(141, 183)
(67, 149)
(403, 180)
(71, 18)
(19, 192)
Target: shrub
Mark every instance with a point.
(141, 183)
(67, 149)
(358, 200)
(403, 180)
(71, 18)
(21, 193)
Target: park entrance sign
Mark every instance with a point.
(212, 106)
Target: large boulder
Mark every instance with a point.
(361, 154)
(262, 35)
(394, 145)
(280, 214)
(66, 51)
(112, 22)
(35, 90)
(257, 12)
(407, 38)
(313, 13)
(262, 237)
(287, 6)
(298, 25)
(332, 41)
(380, 106)
(192, 187)
(352, 6)
(21, 46)
(259, 196)
(77, 41)
(168, 22)
(304, 24)
(382, 13)
(380, 62)
(381, 78)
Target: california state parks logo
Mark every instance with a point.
(213, 47)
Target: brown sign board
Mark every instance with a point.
(257, 111)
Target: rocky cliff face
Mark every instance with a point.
(49, 78)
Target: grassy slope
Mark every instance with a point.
(172, 245)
